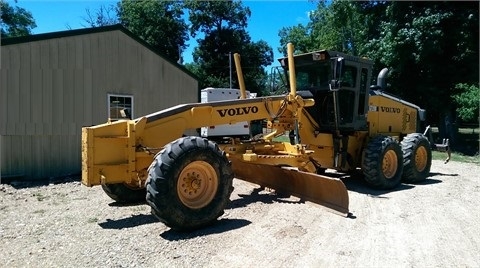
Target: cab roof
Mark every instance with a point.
(322, 55)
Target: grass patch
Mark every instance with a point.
(40, 211)
(92, 220)
(40, 196)
(457, 157)
(469, 130)
(282, 138)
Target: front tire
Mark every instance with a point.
(417, 157)
(189, 183)
(383, 163)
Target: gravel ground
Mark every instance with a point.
(433, 224)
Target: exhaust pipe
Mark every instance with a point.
(381, 79)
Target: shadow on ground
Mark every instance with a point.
(260, 195)
(356, 182)
(432, 174)
(130, 222)
(125, 204)
(220, 226)
(22, 183)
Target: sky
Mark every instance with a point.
(266, 20)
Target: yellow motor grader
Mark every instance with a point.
(334, 118)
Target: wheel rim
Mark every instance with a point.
(197, 184)
(421, 158)
(389, 164)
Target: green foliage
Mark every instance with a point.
(298, 35)
(15, 21)
(210, 16)
(341, 25)
(468, 101)
(222, 25)
(158, 22)
(430, 47)
(345, 26)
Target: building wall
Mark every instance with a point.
(50, 88)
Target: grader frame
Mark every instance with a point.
(334, 123)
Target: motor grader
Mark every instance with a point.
(335, 120)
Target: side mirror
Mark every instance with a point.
(337, 66)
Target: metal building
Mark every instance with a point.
(53, 84)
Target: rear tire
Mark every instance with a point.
(383, 163)
(417, 157)
(189, 183)
(124, 193)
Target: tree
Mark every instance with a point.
(157, 22)
(104, 16)
(210, 16)
(431, 47)
(468, 102)
(15, 21)
(222, 25)
(344, 26)
(301, 36)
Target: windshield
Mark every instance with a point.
(313, 76)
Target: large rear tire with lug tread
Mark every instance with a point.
(124, 193)
(189, 183)
(417, 157)
(383, 163)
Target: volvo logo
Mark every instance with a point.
(390, 110)
(238, 111)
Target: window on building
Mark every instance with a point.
(120, 107)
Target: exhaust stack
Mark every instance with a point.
(381, 79)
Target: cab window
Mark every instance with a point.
(349, 76)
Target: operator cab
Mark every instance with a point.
(339, 85)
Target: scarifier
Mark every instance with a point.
(335, 120)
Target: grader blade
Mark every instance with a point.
(326, 191)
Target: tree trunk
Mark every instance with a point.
(447, 128)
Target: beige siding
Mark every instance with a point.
(49, 89)
(40, 156)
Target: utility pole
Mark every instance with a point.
(230, 63)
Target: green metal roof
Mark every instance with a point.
(69, 33)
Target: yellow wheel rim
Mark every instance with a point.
(389, 164)
(197, 184)
(421, 158)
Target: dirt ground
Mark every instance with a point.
(433, 224)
